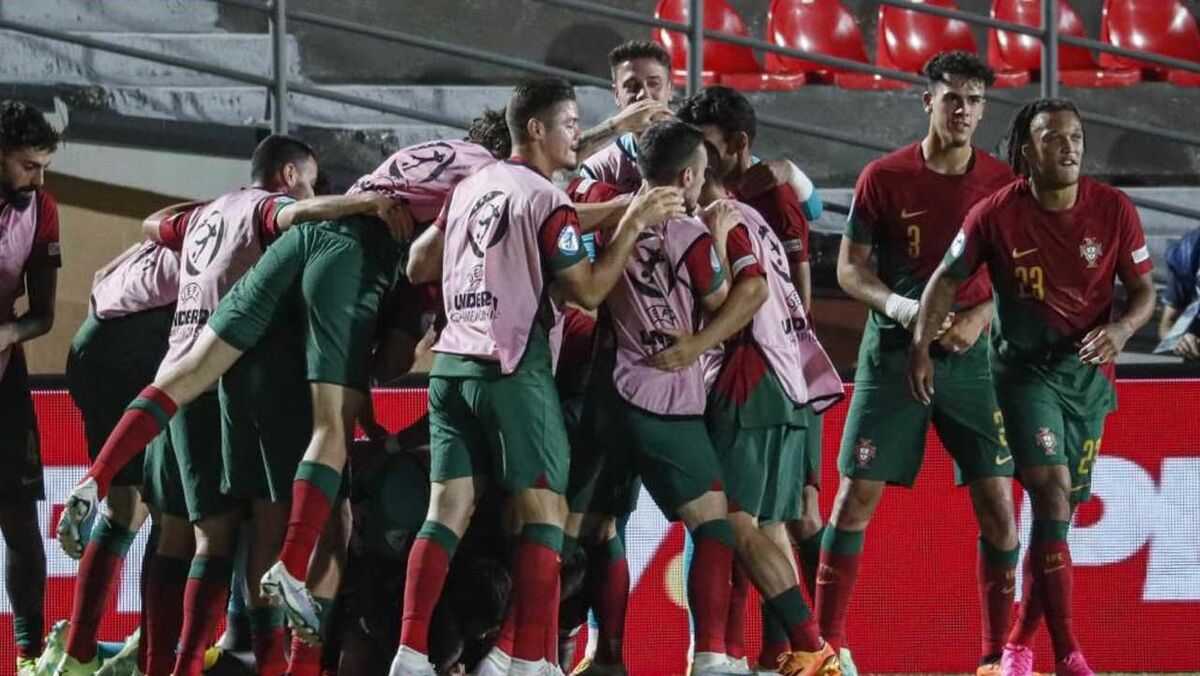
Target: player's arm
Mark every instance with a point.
(731, 307)
(1102, 344)
(966, 327)
(333, 207)
(112, 265)
(425, 256)
(859, 281)
(152, 224)
(602, 215)
(37, 321)
(633, 118)
(767, 174)
(587, 284)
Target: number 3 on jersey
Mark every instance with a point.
(914, 240)
(1031, 280)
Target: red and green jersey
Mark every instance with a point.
(910, 214)
(781, 209)
(1054, 274)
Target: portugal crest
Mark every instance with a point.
(1046, 439)
(1091, 251)
(864, 453)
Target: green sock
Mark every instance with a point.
(544, 534)
(111, 538)
(843, 542)
(442, 535)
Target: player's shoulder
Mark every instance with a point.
(687, 228)
(750, 215)
(991, 169)
(1101, 194)
(1012, 195)
(902, 161)
(46, 200)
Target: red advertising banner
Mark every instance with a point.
(1136, 548)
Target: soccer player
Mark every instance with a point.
(1178, 327)
(114, 354)
(220, 242)
(907, 207)
(29, 262)
(506, 233)
(738, 410)
(1054, 243)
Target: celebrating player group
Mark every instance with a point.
(609, 310)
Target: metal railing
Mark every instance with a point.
(280, 85)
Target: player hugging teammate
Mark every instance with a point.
(649, 325)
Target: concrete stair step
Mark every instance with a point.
(35, 60)
(160, 16)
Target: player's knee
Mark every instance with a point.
(1050, 493)
(452, 503)
(855, 503)
(541, 505)
(712, 505)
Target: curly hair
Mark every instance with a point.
(23, 126)
(1019, 130)
(723, 108)
(944, 65)
(491, 131)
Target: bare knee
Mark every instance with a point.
(1049, 491)
(217, 536)
(992, 500)
(855, 503)
(124, 507)
(708, 507)
(541, 505)
(452, 503)
(176, 538)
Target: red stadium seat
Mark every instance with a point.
(907, 39)
(1022, 54)
(821, 26)
(724, 63)
(1163, 27)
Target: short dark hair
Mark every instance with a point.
(490, 130)
(723, 108)
(945, 65)
(275, 152)
(639, 49)
(23, 126)
(1019, 130)
(533, 98)
(665, 148)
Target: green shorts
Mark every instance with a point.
(762, 467)
(674, 456)
(884, 437)
(21, 480)
(1040, 432)
(161, 484)
(266, 418)
(110, 362)
(196, 441)
(508, 428)
(602, 479)
(813, 438)
(332, 275)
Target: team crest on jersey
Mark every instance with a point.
(568, 241)
(1047, 440)
(489, 222)
(1091, 251)
(424, 163)
(206, 238)
(864, 453)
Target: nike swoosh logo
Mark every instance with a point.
(905, 214)
(1001, 461)
(1054, 569)
(1022, 254)
(29, 481)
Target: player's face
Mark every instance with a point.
(300, 179)
(692, 178)
(22, 171)
(639, 79)
(955, 108)
(560, 133)
(728, 155)
(1055, 150)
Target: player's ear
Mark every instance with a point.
(741, 141)
(534, 128)
(927, 100)
(289, 174)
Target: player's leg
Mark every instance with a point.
(969, 422)
(267, 637)
(458, 465)
(807, 530)
(324, 580)
(883, 442)
(608, 589)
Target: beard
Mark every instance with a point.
(19, 198)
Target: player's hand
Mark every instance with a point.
(920, 374)
(763, 176)
(961, 331)
(1188, 346)
(395, 214)
(1102, 344)
(655, 205)
(637, 116)
(721, 216)
(683, 352)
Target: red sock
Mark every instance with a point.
(313, 493)
(1052, 569)
(204, 601)
(609, 582)
(267, 645)
(551, 641)
(708, 583)
(163, 609)
(836, 576)
(997, 587)
(735, 621)
(146, 416)
(428, 565)
(508, 630)
(535, 580)
(1029, 620)
(102, 560)
(306, 659)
